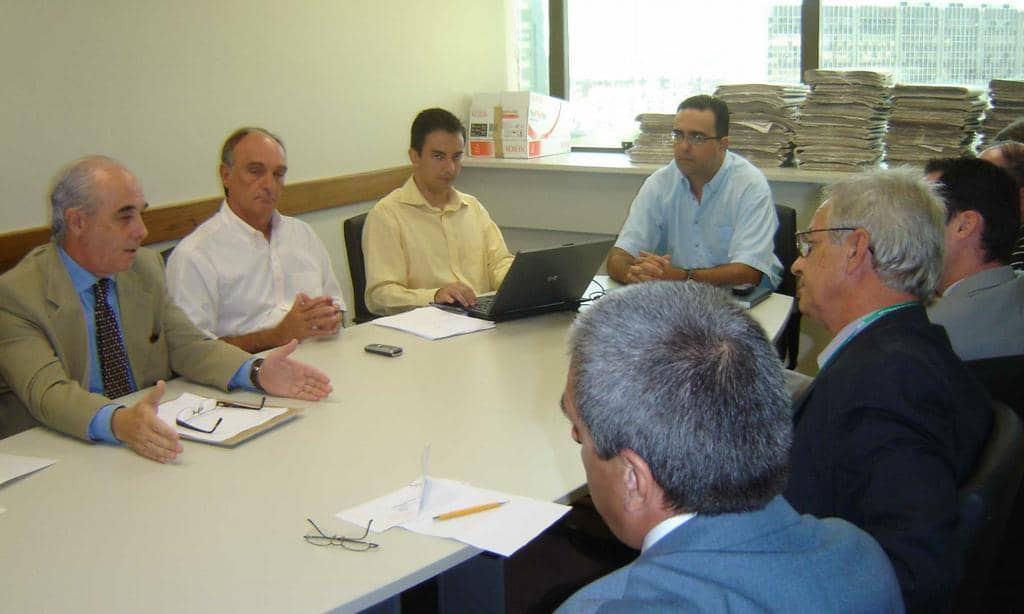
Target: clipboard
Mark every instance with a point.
(248, 433)
(238, 431)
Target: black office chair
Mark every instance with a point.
(1004, 378)
(352, 229)
(788, 344)
(986, 500)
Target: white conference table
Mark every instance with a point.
(220, 529)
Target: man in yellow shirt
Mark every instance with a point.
(426, 241)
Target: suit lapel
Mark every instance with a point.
(137, 310)
(64, 309)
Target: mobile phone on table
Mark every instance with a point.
(384, 350)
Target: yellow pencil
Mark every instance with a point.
(469, 510)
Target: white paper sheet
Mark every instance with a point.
(12, 466)
(433, 323)
(501, 530)
(235, 420)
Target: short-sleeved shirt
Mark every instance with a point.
(735, 220)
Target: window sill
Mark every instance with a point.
(618, 164)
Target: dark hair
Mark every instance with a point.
(971, 184)
(428, 121)
(938, 165)
(227, 151)
(1014, 131)
(684, 377)
(717, 106)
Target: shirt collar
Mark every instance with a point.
(241, 225)
(717, 180)
(411, 195)
(81, 279)
(853, 328)
(663, 528)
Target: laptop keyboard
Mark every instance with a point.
(484, 303)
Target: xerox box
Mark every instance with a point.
(518, 125)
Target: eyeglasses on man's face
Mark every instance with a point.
(693, 138)
(187, 417)
(803, 246)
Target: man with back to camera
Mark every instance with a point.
(426, 241)
(1009, 156)
(982, 304)
(249, 275)
(893, 422)
(706, 216)
(85, 319)
(677, 400)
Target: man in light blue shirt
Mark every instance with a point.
(706, 216)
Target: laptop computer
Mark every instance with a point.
(543, 280)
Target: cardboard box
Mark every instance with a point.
(485, 126)
(518, 125)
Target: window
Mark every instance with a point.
(645, 56)
(959, 43)
(532, 46)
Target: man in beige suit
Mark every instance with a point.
(66, 351)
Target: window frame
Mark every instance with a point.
(558, 60)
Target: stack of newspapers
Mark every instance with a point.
(1007, 100)
(842, 120)
(762, 120)
(932, 121)
(653, 145)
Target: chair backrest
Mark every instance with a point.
(785, 247)
(1003, 378)
(785, 250)
(986, 499)
(352, 229)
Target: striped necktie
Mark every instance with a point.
(110, 345)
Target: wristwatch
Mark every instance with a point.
(254, 374)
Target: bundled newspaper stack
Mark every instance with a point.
(1007, 99)
(842, 120)
(762, 120)
(654, 143)
(932, 121)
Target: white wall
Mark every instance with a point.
(159, 85)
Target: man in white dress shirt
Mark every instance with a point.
(249, 275)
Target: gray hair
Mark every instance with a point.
(681, 375)
(906, 220)
(73, 188)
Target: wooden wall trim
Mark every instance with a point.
(171, 222)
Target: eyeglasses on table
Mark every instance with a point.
(191, 413)
(356, 544)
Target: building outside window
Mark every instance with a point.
(647, 55)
